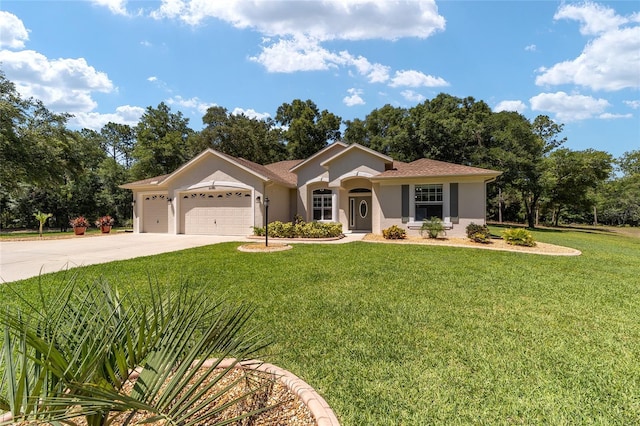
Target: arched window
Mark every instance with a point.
(322, 204)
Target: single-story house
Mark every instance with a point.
(360, 188)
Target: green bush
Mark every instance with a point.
(300, 229)
(394, 233)
(432, 227)
(478, 233)
(518, 237)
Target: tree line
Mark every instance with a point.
(48, 167)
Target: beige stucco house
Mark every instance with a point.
(362, 189)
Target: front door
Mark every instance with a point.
(360, 213)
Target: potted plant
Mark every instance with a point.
(105, 223)
(79, 224)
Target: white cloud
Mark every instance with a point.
(251, 113)
(610, 116)
(322, 20)
(297, 54)
(354, 98)
(595, 18)
(146, 43)
(569, 107)
(412, 96)
(517, 106)
(152, 79)
(118, 7)
(125, 114)
(194, 103)
(13, 33)
(531, 48)
(412, 78)
(632, 104)
(375, 73)
(61, 84)
(608, 62)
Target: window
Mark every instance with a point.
(322, 204)
(428, 200)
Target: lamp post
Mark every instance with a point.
(266, 221)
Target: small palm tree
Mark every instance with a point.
(73, 356)
(42, 218)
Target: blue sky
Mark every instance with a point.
(107, 60)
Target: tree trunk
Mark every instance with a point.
(499, 205)
(595, 216)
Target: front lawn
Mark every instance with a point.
(404, 334)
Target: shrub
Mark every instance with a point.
(478, 233)
(518, 237)
(433, 227)
(79, 222)
(394, 233)
(300, 229)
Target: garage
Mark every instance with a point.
(156, 217)
(216, 213)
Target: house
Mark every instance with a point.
(364, 190)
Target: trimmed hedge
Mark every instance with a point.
(300, 229)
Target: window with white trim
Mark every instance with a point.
(428, 202)
(322, 204)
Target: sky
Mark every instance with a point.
(108, 60)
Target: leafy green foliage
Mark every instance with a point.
(478, 233)
(308, 129)
(518, 237)
(72, 355)
(432, 227)
(394, 232)
(300, 229)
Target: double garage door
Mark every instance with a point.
(216, 213)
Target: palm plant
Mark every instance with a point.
(42, 219)
(74, 356)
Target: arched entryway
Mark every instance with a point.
(360, 209)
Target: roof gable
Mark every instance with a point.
(315, 156)
(357, 147)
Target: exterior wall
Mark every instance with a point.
(354, 161)
(279, 205)
(313, 169)
(473, 207)
(387, 206)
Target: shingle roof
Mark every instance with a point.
(425, 167)
(149, 181)
(265, 171)
(282, 169)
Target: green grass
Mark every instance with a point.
(403, 334)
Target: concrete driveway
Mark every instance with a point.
(26, 259)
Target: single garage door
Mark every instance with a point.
(216, 213)
(155, 214)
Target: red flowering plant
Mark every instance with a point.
(105, 221)
(79, 222)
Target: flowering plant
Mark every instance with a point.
(79, 222)
(105, 221)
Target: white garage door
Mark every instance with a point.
(216, 213)
(155, 214)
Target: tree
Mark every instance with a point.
(162, 142)
(119, 142)
(42, 219)
(240, 136)
(572, 176)
(308, 129)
